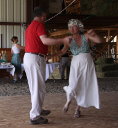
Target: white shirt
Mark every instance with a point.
(15, 49)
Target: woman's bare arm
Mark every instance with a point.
(91, 35)
(19, 46)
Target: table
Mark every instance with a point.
(8, 67)
(11, 69)
(50, 67)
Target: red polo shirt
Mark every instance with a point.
(32, 38)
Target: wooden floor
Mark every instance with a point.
(14, 112)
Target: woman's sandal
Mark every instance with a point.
(77, 114)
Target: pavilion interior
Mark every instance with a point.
(100, 15)
(103, 19)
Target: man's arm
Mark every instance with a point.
(50, 41)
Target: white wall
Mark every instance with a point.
(12, 11)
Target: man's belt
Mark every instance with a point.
(38, 54)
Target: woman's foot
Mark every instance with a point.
(66, 107)
(77, 114)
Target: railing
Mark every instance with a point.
(104, 50)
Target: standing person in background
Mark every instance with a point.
(36, 49)
(64, 65)
(83, 85)
(16, 59)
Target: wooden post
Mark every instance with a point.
(29, 11)
(108, 45)
(117, 49)
(1, 39)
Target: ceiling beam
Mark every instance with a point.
(89, 21)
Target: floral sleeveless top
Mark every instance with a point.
(84, 48)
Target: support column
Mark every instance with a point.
(29, 10)
(117, 49)
(109, 45)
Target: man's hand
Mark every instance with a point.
(48, 56)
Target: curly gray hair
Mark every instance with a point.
(76, 22)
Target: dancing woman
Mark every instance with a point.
(83, 85)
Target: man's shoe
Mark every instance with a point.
(39, 120)
(45, 112)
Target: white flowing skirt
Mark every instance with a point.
(83, 85)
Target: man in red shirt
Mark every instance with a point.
(36, 48)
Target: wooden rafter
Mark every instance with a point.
(74, 8)
(89, 21)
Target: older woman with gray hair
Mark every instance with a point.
(83, 85)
